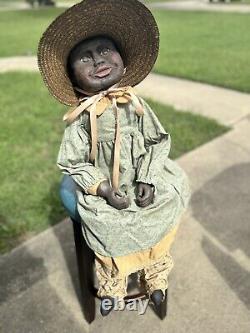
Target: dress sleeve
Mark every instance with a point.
(73, 158)
(157, 143)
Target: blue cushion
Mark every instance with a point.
(68, 196)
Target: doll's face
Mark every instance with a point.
(96, 64)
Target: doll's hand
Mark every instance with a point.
(145, 194)
(113, 197)
(117, 201)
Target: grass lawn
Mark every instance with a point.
(203, 46)
(30, 136)
(30, 140)
(21, 38)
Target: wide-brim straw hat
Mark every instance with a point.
(128, 22)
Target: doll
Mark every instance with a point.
(129, 193)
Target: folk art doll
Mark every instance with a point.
(130, 195)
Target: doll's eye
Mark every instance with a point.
(105, 51)
(85, 59)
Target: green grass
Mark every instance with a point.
(30, 138)
(20, 31)
(207, 47)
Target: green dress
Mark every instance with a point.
(145, 146)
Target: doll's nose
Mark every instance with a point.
(98, 59)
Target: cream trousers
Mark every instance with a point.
(154, 276)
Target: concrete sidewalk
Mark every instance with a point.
(18, 63)
(209, 287)
(22, 5)
(225, 105)
(201, 5)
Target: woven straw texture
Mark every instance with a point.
(128, 22)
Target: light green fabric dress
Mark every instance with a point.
(145, 146)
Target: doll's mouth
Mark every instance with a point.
(103, 71)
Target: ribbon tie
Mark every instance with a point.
(96, 105)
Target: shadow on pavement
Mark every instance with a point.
(222, 207)
(28, 302)
(235, 275)
(64, 236)
(17, 277)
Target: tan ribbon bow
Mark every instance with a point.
(96, 105)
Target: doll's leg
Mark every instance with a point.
(110, 283)
(156, 274)
(112, 287)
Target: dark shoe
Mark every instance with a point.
(157, 297)
(106, 307)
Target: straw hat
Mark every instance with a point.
(128, 22)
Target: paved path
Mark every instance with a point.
(224, 105)
(4, 6)
(200, 5)
(21, 63)
(13, 6)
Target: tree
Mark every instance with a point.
(40, 3)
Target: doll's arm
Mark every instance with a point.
(157, 143)
(73, 159)
(155, 167)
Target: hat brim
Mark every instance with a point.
(128, 22)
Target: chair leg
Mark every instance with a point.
(85, 261)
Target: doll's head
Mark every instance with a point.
(95, 64)
(73, 52)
